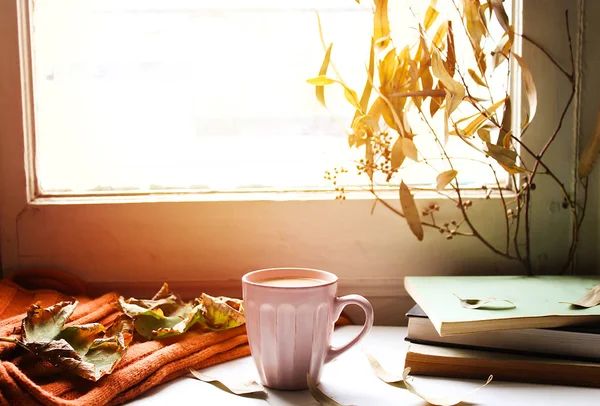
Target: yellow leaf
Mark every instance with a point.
(440, 34)
(320, 90)
(590, 152)
(529, 86)
(381, 24)
(504, 156)
(409, 149)
(430, 17)
(321, 80)
(505, 127)
(397, 154)
(476, 78)
(502, 49)
(387, 68)
(500, 14)
(366, 94)
(475, 27)
(444, 178)
(369, 158)
(451, 56)
(377, 108)
(352, 97)
(365, 121)
(455, 90)
(411, 213)
(484, 135)
(481, 118)
(436, 102)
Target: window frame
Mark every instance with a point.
(207, 242)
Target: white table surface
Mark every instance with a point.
(350, 381)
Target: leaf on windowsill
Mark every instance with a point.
(318, 395)
(479, 303)
(590, 299)
(89, 351)
(404, 383)
(239, 388)
(166, 315)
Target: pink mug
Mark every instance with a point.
(290, 314)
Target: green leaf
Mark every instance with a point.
(42, 325)
(318, 395)
(590, 299)
(221, 313)
(478, 303)
(81, 337)
(231, 386)
(411, 213)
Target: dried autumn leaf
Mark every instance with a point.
(404, 383)
(444, 178)
(476, 78)
(321, 80)
(505, 157)
(500, 13)
(397, 154)
(475, 27)
(439, 36)
(455, 91)
(381, 24)
(385, 376)
(318, 395)
(480, 119)
(590, 299)
(409, 149)
(484, 135)
(320, 90)
(590, 152)
(366, 94)
(436, 400)
(221, 313)
(450, 54)
(430, 15)
(42, 325)
(87, 350)
(232, 386)
(477, 303)
(505, 127)
(411, 213)
(529, 85)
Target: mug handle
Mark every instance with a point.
(340, 303)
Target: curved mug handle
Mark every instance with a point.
(340, 303)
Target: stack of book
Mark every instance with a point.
(539, 338)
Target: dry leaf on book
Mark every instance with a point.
(590, 299)
(478, 303)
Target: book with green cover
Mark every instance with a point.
(537, 301)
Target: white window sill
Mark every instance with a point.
(349, 380)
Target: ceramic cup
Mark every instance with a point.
(289, 326)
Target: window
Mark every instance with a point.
(132, 241)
